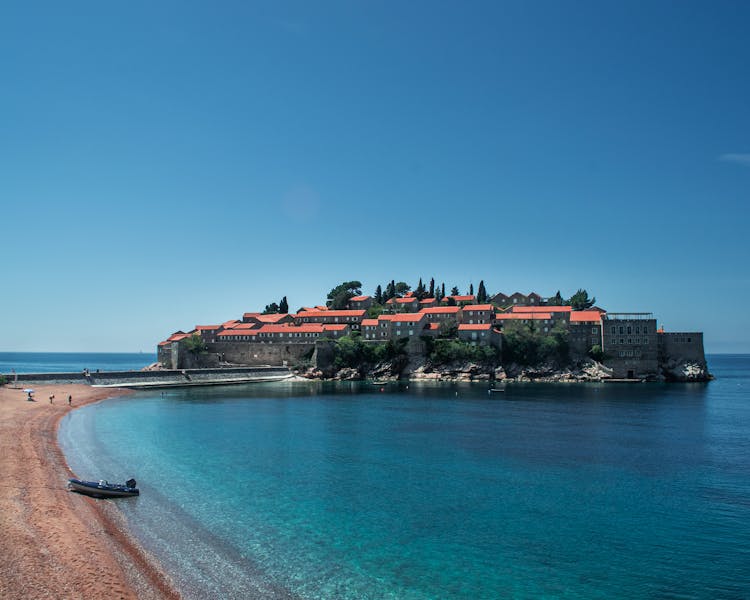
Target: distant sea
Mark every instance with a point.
(73, 362)
(356, 490)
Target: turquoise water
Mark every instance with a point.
(309, 490)
(73, 362)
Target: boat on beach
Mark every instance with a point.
(104, 489)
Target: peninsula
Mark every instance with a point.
(400, 333)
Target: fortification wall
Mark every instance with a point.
(682, 347)
(260, 353)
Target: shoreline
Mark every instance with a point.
(57, 543)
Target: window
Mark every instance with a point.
(614, 330)
(622, 340)
(637, 340)
(645, 340)
(637, 329)
(629, 328)
(630, 340)
(593, 330)
(645, 331)
(622, 330)
(690, 340)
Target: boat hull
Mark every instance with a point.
(102, 489)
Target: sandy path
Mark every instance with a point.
(54, 543)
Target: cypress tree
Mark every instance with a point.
(431, 293)
(378, 295)
(283, 306)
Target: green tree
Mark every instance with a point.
(454, 291)
(448, 328)
(526, 344)
(596, 353)
(284, 306)
(338, 297)
(420, 292)
(271, 309)
(556, 300)
(378, 295)
(195, 344)
(580, 300)
(431, 293)
(390, 291)
(481, 293)
(471, 289)
(442, 290)
(402, 287)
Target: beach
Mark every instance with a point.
(55, 543)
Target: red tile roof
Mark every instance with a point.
(531, 316)
(206, 327)
(273, 318)
(359, 298)
(234, 332)
(244, 326)
(478, 307)
(544, 309)
(369, 322)
(229, 324)
(467, 298)
(585, 316)
(336, 327)
(176, 337)
(477, 327)
(407, 317)
(433, 326)
(441, 310)
(250, 315)
(401, 300)
(331, 313)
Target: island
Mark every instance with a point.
(426, 334)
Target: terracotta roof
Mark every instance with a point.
(331, 313)
(164, 343)
(545, 309)
(250, 315)
(359, 298)
(477, 327)
(440, 310)
(206, 327)
(467, 298)
(582, 316)
(233, 332)
(335, 327)
(531, 316)
(228, 324)
(401, 300)
(478, 307)
(427, 300)
(407, 317)
(386, 317)
(369, 322)
(244, 326)
(432, 326)
(176, 337)
(273, 318)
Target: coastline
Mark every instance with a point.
(56, 543)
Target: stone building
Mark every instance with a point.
(629, 341)
(480, 334)
(584, 332)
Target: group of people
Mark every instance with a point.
(52, 399)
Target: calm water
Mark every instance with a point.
(72, 362)
(322, 491)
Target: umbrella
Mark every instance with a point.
(28, 390)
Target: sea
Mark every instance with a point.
(370, 490)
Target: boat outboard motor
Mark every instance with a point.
(131, 483)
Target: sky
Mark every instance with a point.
(169, 164)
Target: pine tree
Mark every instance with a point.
(481, 293)
(471, 289)
(283, 306)
(454, 291)
(378, 295)
(431, 293)
(390, 291)
(442, 290)
(420, 291)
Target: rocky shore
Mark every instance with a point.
(587, 371)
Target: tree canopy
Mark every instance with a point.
(338, 297)
(580, 300)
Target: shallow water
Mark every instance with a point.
(345, 491)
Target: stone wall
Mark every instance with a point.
(260, 353)
(681, 346)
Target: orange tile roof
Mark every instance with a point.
(336, 327)
(471, 327)
(545, 309)
(331, 313)
(206, 327)
(427, 300)
(249, 315)
(386, 317)
(176, 337)
(531, 316)
(359, 298)
(164, 343)
(478, 307)
(273, 318)
(244, 326)
(467, 298)
(409, 300)
(585, 316)
(229, 324)
(233, 332)
(369, 322)
(434, 310)
(433, 326)
(407, 317)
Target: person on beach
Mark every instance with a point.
(70, 399)
(51, 398)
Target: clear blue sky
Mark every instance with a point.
(170, 164)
